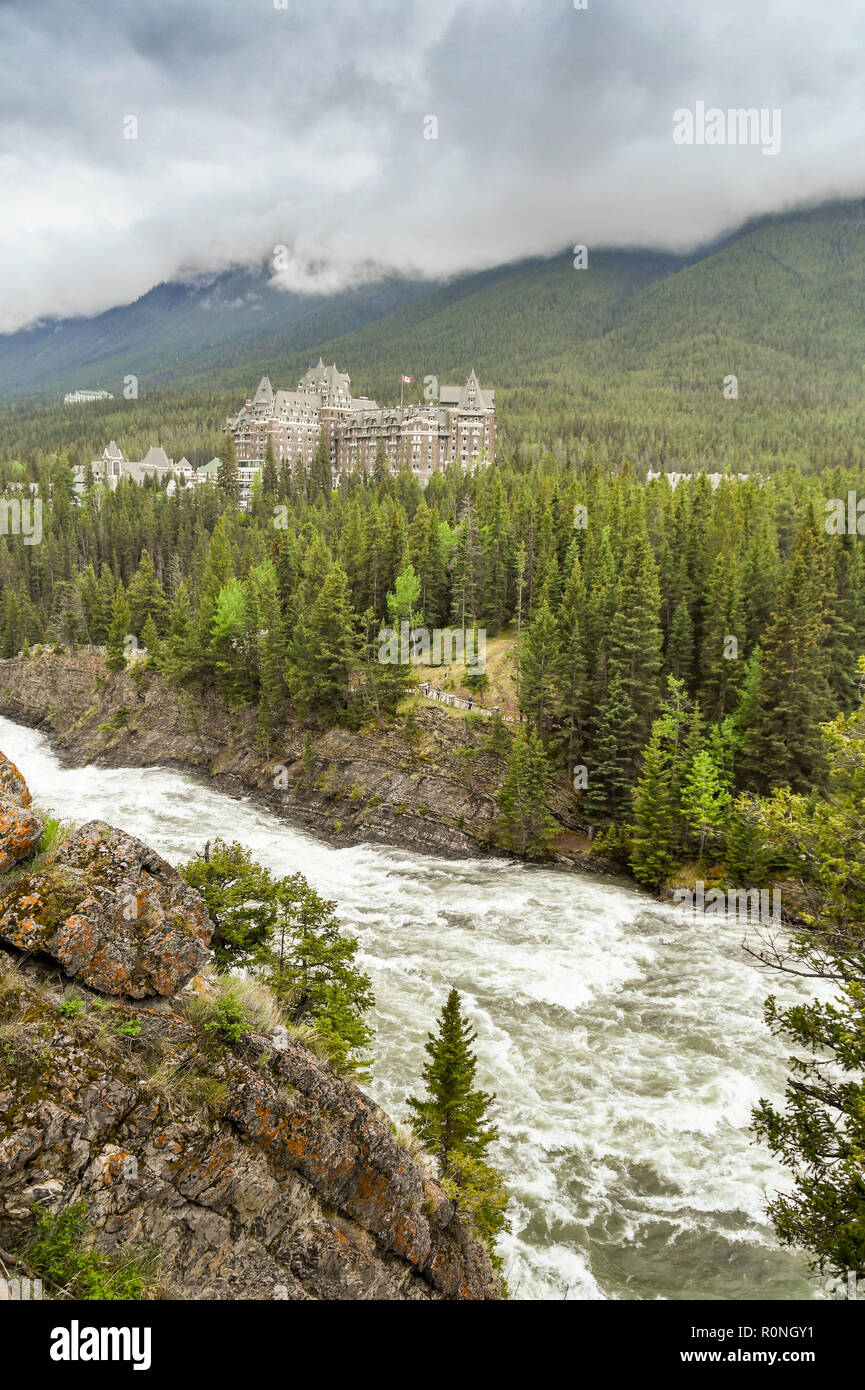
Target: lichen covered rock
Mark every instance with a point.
(112, 913)
(12, 785)
(252, 1169)
(20, 834)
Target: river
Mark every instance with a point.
(625, 1042)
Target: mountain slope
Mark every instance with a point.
(158, 336)
(631, 353)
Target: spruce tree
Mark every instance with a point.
(453, 1117)
(146, 598)
(181, 655)
(783, 744)
(540, 670)
(269, 475)
(228, 477)
(151, 643)
(705, 800)
(526, 823)
(323, 652)
(654, 842)
(115, 646)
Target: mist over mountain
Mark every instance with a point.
(779, 303)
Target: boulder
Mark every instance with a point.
(20, 833)
(113, 913)
(12, 784)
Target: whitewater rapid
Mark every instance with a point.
(625, 1042)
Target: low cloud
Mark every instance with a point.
(304, 128)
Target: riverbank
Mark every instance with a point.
(429, 785)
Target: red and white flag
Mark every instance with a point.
(409, 379)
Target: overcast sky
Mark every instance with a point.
(304, 127)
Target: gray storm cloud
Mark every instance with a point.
(304, 127)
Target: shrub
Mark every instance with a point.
(229, 1019)
(59, 1255)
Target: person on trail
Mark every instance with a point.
(470, 702)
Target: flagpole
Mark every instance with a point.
(401, 387)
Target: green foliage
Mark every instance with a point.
(820, 1132)
(453, 1116)
(240, 897)
(526, 824)
(229, 1019)
(59, 1255)
(289, 937)
(452, 1122)
(481, 1195)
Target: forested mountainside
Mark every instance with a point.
(631, 353)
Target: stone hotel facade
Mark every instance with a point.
(460, 426)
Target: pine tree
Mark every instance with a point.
(228, 477)
(146, 598)
(654, 843)
(453, 1117)
(526, 823)
(705, 800)
(115, 646)
(323, 652)
(783, 744)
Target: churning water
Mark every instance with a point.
(624, 1040)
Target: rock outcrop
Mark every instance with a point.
(433, 788)
(245, 1168)
(112, 913)
(20, 834)
(12, 785)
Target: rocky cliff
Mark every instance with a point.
(432, 787)
(245, 1168)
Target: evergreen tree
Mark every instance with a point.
(540, 670)
(680, 648)
(146, 598)
(783, 743)
(323, 652)
(115, 646)
(181, 656)
(453, 1117)
(526, 824)
(269, 476)
(228, 479)
(654, 844)
(151, 643)
(705, 800)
